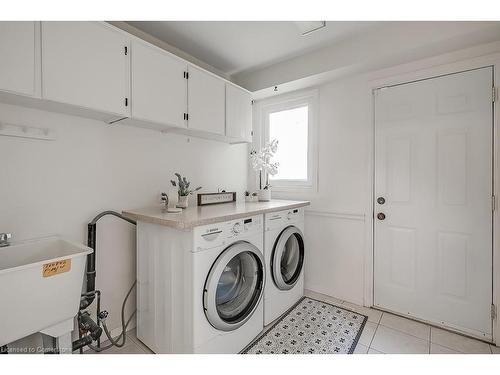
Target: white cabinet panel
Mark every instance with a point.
(159, 89)
(84, 64)
(398, 167)
(238, 114)
(18, 42)
(452, 166)
(206, 102)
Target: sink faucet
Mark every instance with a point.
(4, 239)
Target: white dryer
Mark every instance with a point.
(201, 291)
(284, 254)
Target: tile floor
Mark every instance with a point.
(384, 333)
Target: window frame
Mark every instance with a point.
(288, 102)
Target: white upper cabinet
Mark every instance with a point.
(95, 70)
(206, 102)
(159, 87)
(238, 114)
(18, 57)
(86, 64)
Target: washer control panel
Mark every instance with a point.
(236, 228)
(245, 226)
(218, 234)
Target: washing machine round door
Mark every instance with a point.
(234, 286)
(287, 259)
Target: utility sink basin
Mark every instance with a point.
(40, 286)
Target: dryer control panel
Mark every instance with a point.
(283, 218)
(221, 234)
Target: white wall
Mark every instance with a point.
(335, 220)
(337, 223)
(49, 187)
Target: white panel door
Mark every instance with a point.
(206, 102)
(18, 57)
(433, 168)
(159, 89)
(84, 64)
(238, 114)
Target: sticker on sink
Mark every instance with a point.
(54, 268)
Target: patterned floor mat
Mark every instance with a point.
(311, 327)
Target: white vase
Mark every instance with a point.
(183, 201)
(265, 195)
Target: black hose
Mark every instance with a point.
(123, 336)
(114, 213)
(90, 292)
(89, 296)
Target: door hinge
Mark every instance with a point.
(186, 75)
(493, 94)
(493, 312)
(186, 116)
(126, 102)
(126, 50)
(493, 203)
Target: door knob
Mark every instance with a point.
(381, 216)
(380, 200)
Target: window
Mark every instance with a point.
(289, 127)
(291, 120)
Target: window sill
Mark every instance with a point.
(294, 188)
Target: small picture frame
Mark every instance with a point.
(206, 199)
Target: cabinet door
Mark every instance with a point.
(159, 89)
(85, 64)
(18, 57)
(206, 102)
(238, 114)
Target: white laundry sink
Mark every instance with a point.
(40, 286)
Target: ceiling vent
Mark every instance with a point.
(308, 27)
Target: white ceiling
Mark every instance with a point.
(236, 46)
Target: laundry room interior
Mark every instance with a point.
(247, 184)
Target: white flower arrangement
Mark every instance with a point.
(261, 162)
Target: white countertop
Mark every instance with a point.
(196, 216)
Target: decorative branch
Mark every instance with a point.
(261, 162)
(183, 185)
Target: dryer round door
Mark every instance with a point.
(287, 259)
(234, 286)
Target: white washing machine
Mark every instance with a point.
(230, 274)
(201, 291)
(284, 254)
